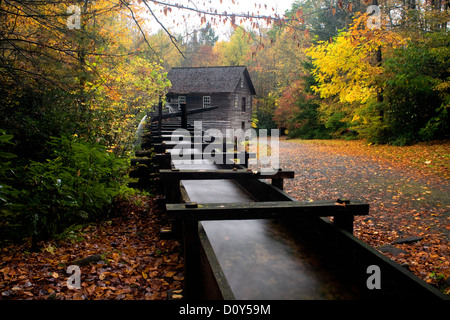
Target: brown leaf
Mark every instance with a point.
(169, 274)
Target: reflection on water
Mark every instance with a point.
(261, 259)
(215, 191)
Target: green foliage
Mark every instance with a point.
(265, 112)
(265, 119)
(306, 122)
(6, 170)
(78, 183)
(237, 50)
(310, 124)
(416, 95)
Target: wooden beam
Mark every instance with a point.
(263, 210)
(183, 115)
(225, 157)
(144, 153)
(223, 174)
(142, 171)
(155, 118)
(153, 133)
(168, 145)
(160, 114)
(146, 161)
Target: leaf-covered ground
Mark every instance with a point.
(129, 261)
(407, 189)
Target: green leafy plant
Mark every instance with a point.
(5, 167)
(77, 184)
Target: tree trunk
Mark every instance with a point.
(378, 61)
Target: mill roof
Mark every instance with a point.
(208, 79)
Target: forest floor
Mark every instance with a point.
(121, 258)
(125, 258)
(407, 188)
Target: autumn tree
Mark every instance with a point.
(198, 47)
(237, 50)
(66, 72)
(351, 78)
(70, 100)
(298, 108)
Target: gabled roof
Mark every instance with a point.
(208, 79)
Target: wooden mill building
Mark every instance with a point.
(229, 88)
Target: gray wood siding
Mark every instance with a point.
(214, 119)
(238, 116)
(227, 116)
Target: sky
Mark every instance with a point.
(241, 6)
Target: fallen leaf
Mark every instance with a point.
(103, 275)
(169, 274)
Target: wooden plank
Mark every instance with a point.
(144, 153)
(142, 171)
(146, 161)
(261, 190)
(179, 114)
(160, 113)
(263, 210)
(168, 145)
(223, 174)
(154, 131)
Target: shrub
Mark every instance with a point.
(77, 184)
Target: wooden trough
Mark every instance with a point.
(244, 238)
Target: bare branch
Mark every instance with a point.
(139, 26)
(222, 14)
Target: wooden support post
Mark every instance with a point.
(159, 114)
(278, 182)
(183, 115)
(163, 160)
(191, 260)
(173, 193)
(247, 156)
(344, 222)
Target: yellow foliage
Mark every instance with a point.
(345, 67)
